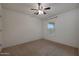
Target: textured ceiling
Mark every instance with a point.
(56, 8)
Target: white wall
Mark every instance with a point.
(20, 28)
(1, 40)
(77, 24)
(0, 24)
(65, 32)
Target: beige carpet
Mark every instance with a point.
(40, 48)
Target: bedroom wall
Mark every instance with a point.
(20, 28)
(0, 28)
(77, 25)
(66, 29)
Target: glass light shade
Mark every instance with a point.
(40, 11)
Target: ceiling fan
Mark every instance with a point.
(40, 9)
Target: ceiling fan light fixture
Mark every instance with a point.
(40, 12)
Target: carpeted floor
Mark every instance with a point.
(40, 48)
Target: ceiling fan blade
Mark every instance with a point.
(47, 8)
(36, 13)
(33, 9)
(44, 12)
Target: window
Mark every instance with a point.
(51, 27)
